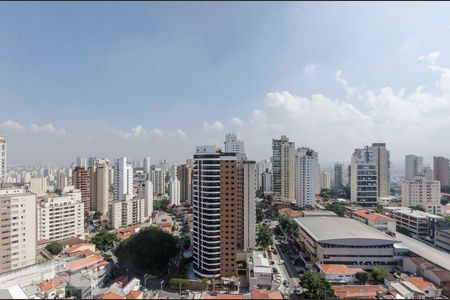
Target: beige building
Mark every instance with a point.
(283, 168)
(18, 234)
(2, 159)
(421, 192)
(38, 186)
(81, 180)
(100, 185)
(61, 217)
(127, 212)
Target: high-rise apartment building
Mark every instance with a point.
(224, 210)
(325, 180)
(428, 173)
(123, 180)
(38, 185)
(100, 185)
(413, 166)
(184, 174)
(266, 179)
(174, 191)
(420, 192)
(61, 180)
(81, 162)
(2, 159)
(148, 198)
(233, 144)
(370, 174)
(441, 169)
(261, 167)
(81, 179)
(127, 212)
(18, 229)
(306, 170)
(283, 169)
(338, 183)
(61, 217)
(159, 181)
(147, 166)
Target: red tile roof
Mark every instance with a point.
(357, 291)
(421, 282)
(134, 295)
(86, 253)
(290, 212)
(371, 216)
(339, 269)
(45, 286)
(110, 295)
(266, 294)
(76, 247)
(83, 263)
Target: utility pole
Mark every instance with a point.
(162, 281)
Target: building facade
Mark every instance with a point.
(266, 181)
(38, 185)
(306, 171)
(18, 234)
(99, 175)
(2, 159)
(413, 166)
(127, 212)
(420, 192)
(81, 178)
(123, 180)
(174, 191)
(338, 183)
(184, 175)
(233, 144)
(283, 169)
(159, 181)
(441, 169)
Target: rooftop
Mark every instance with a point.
(357, 291)
(83, 263)
(421, 249)
(371, 216)
(336, 228)
(266, 294)
(420, 282)
(77, 247)
(413, 213)
(316, 213)
(339, 269)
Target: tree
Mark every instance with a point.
(148, 251)
(316, 286)
(336, 207)
(417, 207)
(264, 236)
(447, 219)
(380, 273)
(363, 277)
(325, 194)
(54, 248)
(104, 240)
(97, 214)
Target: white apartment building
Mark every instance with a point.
(123, 180)
(266, 179)
(18, 234)
(61, 217)
(38, 186)
(127, 212)
(283, 169)
(174, 191)
(232, 144)
(413, 166)
(421, 192)
(81, 162)
(325, 180)
(261, 167)
(147, 165)
(159, 181)
(148, 198)
(306, 177)
(2, 159)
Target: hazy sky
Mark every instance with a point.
(138, 79)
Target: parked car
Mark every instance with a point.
(275, 270)
(280, 262)
(286, 283)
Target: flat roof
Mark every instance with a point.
(414, 213)
(313, 213)
(437, 257)
(337, 228)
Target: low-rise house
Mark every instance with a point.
(259, 271)
(123, 289)
(375, 220)
(358, 291)
(405, 290)
(266, 294)
(339, 274)
(431, 272)
(125, 232)
(163, 217)
(75, 249)
(430, 289)
(52, 289)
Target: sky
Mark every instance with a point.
(156, 79)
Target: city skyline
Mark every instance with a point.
(104, 90)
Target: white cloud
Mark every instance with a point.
(348, 88)
(181, 133)
(34, 128)
(9, 124)
(236, 121)
(310, 68)
(214, 126)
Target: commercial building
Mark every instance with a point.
(99, 176)
(441, 169)
(306, 170)
(418, 223)
(61, 217)
(442, 238)
(174, 191)
(184, 174)
(420, 191)
(18, 234)
(413, 166)
(338, 183)
(123, 180)
(38, 185)
(332, 240)
(2, 159)
(375, 220)
(369, 177)
(127, 212)
(159, 182)
(81, 178)
(283, 169)
(233, 144)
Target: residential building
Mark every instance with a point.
(148, 198)
(306, 177)
(417, 223)
(359, 291)
(61, 180)
(339, 274)
(249, 212)
(325, 180)
(18, 234)
(2, 159)
(61, 217)
(428, 173)
(259, 271)
(233, 144)
(338, 183)
(147, 166)
(159, 182)
(441, 169)
(419, 191)
(422, 267)
(262, 167)
(123, 180)
(127, 212)
(81, 178)
(369, 174)
(266, 294)
(38, 185)
(375, 220)
(283, 169)
(99, 177)
(81, 162)
(174, 191)
(267, 179)
(413, 166)
(184, 174)
(333, 240)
